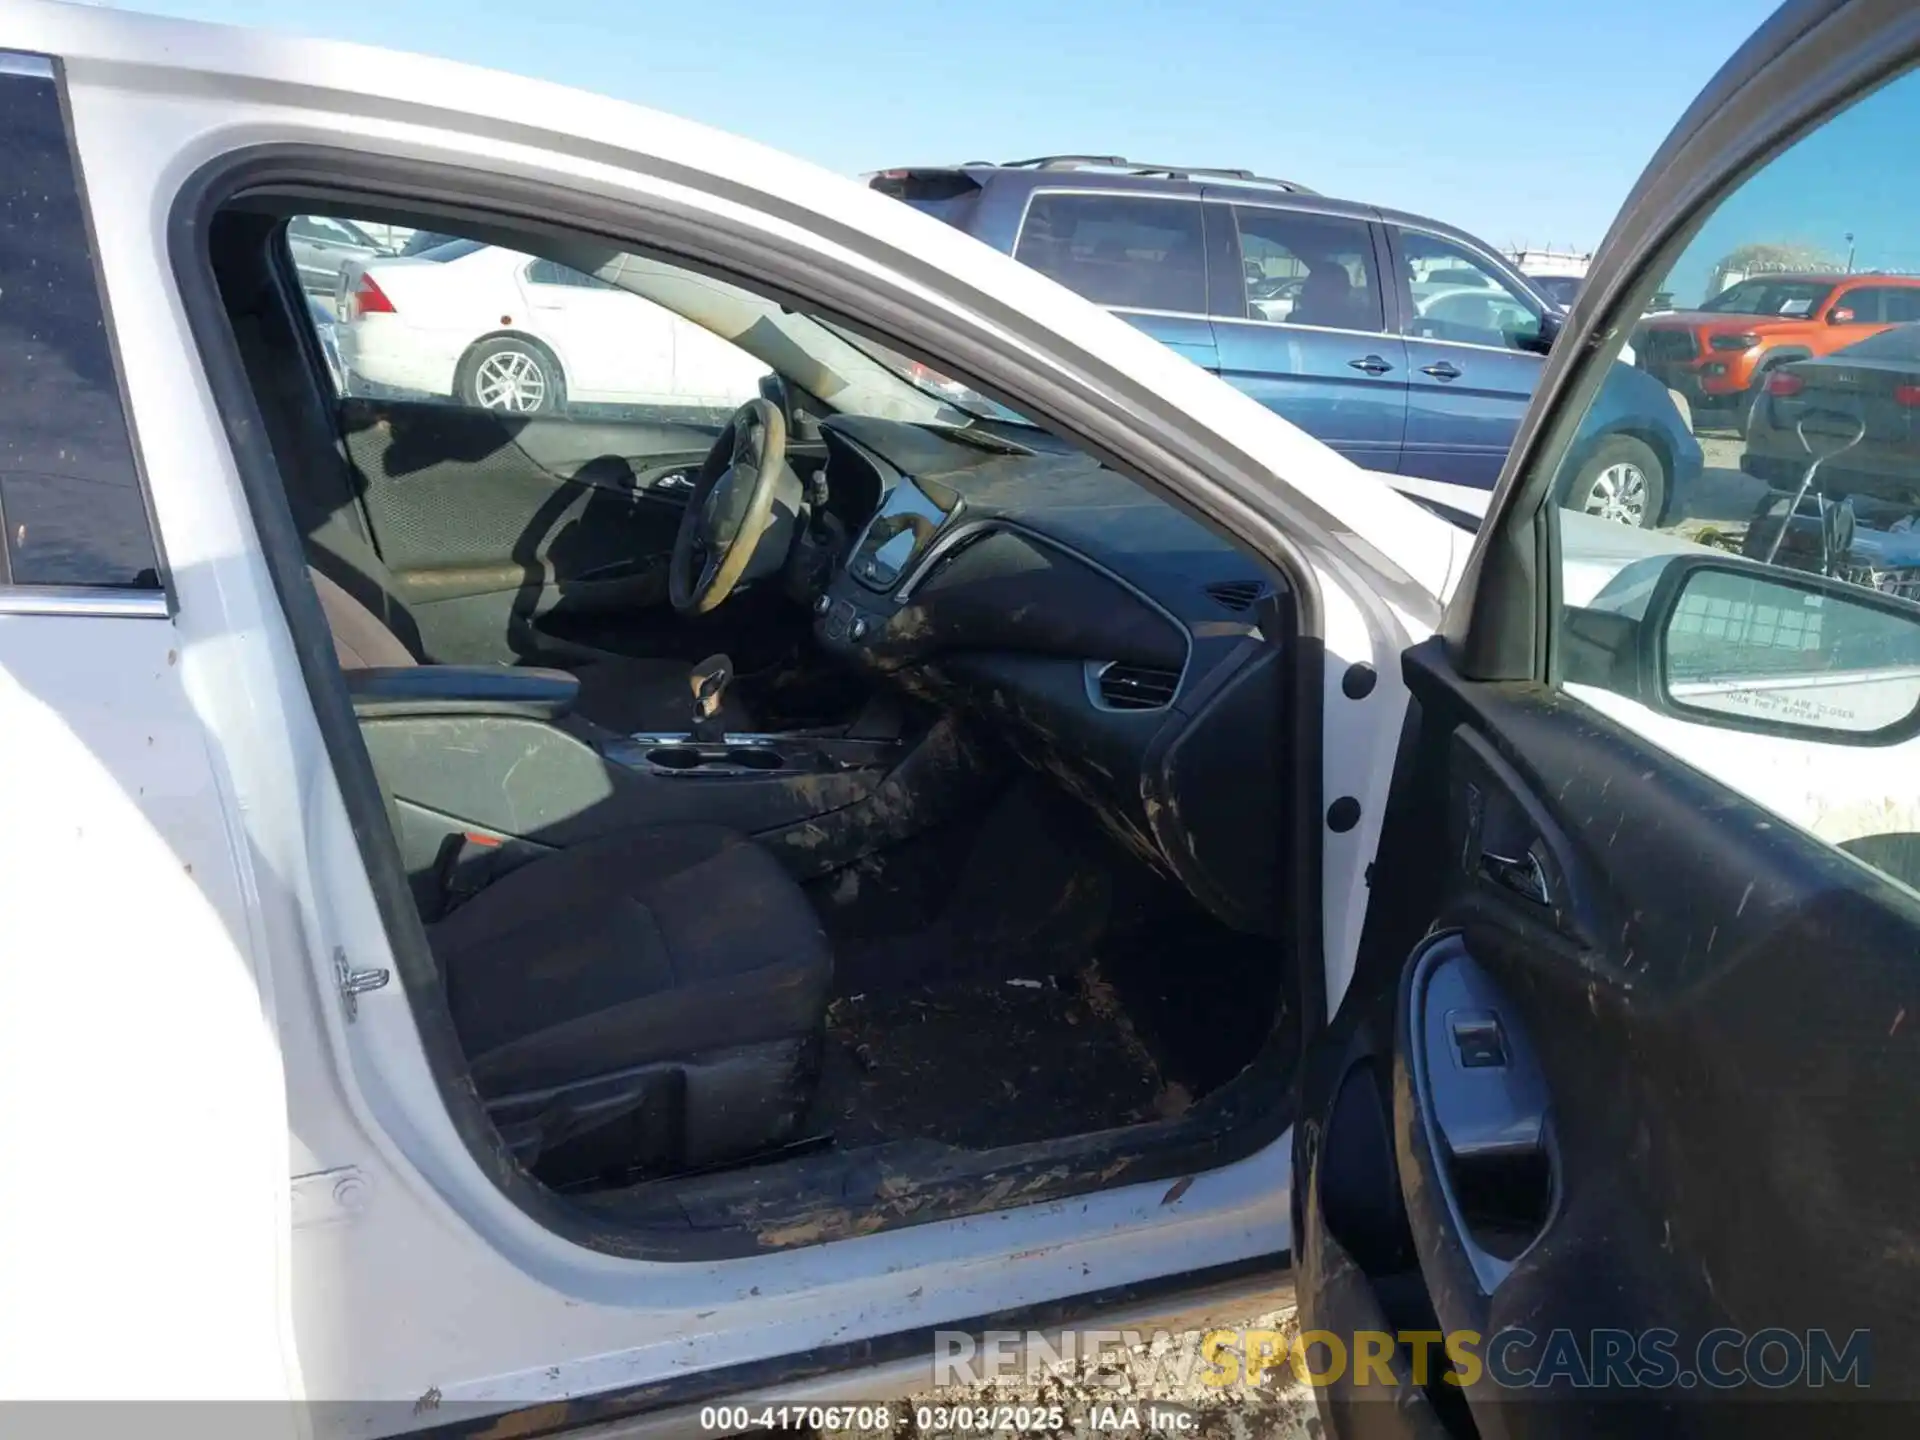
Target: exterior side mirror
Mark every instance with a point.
(1541, 340)
(1840, 315)
(1782, 652)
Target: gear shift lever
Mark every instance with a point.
(710, 679)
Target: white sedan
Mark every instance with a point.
(500, 330)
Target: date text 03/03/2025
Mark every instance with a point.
(945, 1420)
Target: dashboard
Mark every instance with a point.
(1111, 640)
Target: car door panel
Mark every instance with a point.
(614, 347)
(1464, 401)
(1346, 388)
(1711, 1005)
(498, 528)
(1188, 335)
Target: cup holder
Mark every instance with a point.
(754, 759)
(675, 757)
(685, 758)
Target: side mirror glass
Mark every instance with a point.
(1782, 652)
(1840, 315)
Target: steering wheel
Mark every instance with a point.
(729, 510)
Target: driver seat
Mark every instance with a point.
(621, 693)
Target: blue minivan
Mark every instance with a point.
(1405, 344)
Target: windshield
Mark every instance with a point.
(929, 381)
(854, 375)
(1770, 297)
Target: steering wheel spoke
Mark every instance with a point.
(729, 509)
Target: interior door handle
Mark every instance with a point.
(1524, 875)
(1442, 370)
(678, 482)
(1372, 364)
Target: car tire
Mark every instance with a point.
(1621, 480)
(511, 375)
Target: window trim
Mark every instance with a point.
(106, 602)
(1206, 275)
(66, 599)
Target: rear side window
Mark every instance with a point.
(1308, 269)
(1131, 252)
(70, 494)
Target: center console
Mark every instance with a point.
(911, 518)
(747, 756)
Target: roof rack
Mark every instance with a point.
(1137, 167)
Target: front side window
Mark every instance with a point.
(1133, 252)
(1770, 564)
(70, 492)
(462, 322)
(1457, 296)
(1308, 269)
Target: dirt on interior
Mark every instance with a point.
(980, 1065)
(1018, 978)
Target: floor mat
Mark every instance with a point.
(1018, 892)
(984, 1064)
(1018, 977)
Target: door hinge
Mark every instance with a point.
(355, 983)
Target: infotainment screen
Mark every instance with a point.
(900, 531)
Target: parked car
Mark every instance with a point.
(1719, 355)
(1407, 345)
(326, 333)
(1861, 405)
(421, 241)
(322, 246)
(505, 331)
(1129, 867)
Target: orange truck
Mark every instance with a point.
(1718, 356)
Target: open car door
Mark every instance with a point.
(1620, 1111)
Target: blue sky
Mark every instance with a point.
(1521, 121)
(1858, 175)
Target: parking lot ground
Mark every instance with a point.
(1723, 500)
(1164, 1371)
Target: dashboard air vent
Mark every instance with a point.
(1237, 594)
(1136, 687)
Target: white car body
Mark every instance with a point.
(613, 348)
(221, 1188)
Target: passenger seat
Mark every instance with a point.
(654, 1000)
